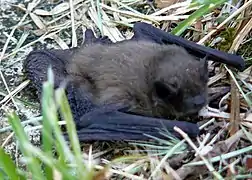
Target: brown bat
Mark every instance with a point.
(152, 79)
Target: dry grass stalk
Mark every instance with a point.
(237, 12)
(241, 35)
(207, 163)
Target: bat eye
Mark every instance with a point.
(199, 100)
(161, 89)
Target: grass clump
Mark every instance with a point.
(41, 163)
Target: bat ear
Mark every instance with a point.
(164, 91)
(204, 69)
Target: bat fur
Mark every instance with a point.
(152, 79)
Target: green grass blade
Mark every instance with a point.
(2, 175)
(223, 156)
(71, 130)
(47, 138)
(195, 16)
(32, 162)
(52, 163)
(9, 167)
(61, 145)
(50, 115)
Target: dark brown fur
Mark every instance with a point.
(154, 80)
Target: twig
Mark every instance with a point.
(7, 139)
(74, 38)
(177, 5)
(235, 108)
(14, 92)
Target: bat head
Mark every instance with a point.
(180, 87)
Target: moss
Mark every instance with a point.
(246, 50)
(228, 37)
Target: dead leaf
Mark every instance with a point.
(166, 3)
(42, 12)
(32, 5)
(36, 19)
(166, 176)
(185, 171)
(196, 35)
(63, 7)
(101, 175)
(60, 42)
(248, 162)
(39, 32)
